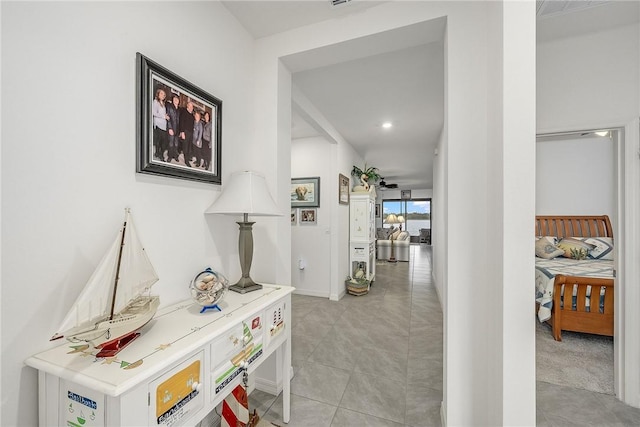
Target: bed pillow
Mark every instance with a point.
(574, 248)
(546, 248)
(603, 247)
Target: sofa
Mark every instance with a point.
(401, 244)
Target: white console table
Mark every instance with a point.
(176, 372)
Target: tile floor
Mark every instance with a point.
(353, 370)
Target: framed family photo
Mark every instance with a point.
(305, 192)
(294, 216)
(179, 126)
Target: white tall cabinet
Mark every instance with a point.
(362, 233)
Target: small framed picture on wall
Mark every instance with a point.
(308, 216)
(305, 192)
(405, 194)
(343, 189)
(294, 216)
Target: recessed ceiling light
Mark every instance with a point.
(387, 125)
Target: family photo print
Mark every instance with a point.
(179, 127)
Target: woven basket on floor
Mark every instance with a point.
(359, 287)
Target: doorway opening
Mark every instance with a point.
(577, 174)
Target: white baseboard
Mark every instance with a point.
(268, 386)
(311, 293)
(338, 297)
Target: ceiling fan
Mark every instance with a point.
(384, 185)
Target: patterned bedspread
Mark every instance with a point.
(547, 269)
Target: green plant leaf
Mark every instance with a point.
(371, 172)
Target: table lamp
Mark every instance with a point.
(392, 219)
(245, 193)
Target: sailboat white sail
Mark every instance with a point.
(113, 303)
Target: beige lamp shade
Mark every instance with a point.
(392, 219)
(245, 192)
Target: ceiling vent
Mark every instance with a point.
(338, 3)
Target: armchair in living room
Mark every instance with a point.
(401, 242)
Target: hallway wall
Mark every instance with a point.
(311, 243)
(69, 152)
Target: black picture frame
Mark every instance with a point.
(305, 192)
(152, 141)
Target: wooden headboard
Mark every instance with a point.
(574, 226)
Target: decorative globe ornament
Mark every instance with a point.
(208, 288)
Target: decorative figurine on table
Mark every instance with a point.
(116, 301)
(208, 288)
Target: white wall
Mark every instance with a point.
(591, 80)
(472, 395)
(68, 159)
(511, 206)
(312, 157)
(438, 212)
(324, 247)
(575, 177)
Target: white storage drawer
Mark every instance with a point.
(243, 342)
(177, 394)
(275, 322)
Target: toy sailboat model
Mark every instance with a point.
(115, 303)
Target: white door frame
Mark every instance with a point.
(627, 315)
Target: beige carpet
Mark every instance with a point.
(580, 360)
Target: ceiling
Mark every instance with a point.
(395, 76)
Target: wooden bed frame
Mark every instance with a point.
(579, 320)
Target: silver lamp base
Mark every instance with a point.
(244, 285)
(245, 246)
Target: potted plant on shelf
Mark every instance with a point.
(368, 175)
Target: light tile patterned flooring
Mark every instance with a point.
(376, 360)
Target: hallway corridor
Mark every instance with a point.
(372, 360)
